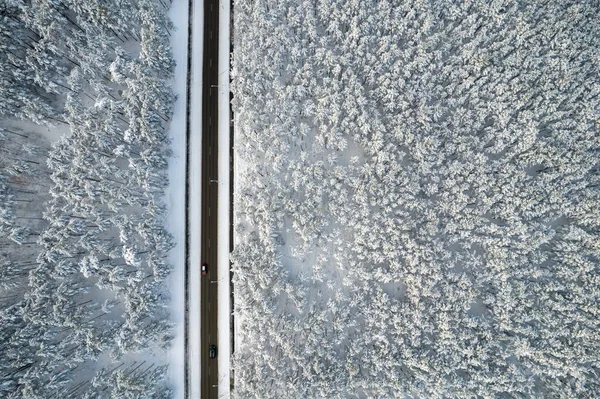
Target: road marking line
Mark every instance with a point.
(209, 211)
(209, 371)
(209, 242)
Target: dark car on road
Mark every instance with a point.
(212, 352)
(204, 269)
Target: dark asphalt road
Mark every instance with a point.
(208, 300)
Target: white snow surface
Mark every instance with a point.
(50, 133)
(224, 204)
(175, 197)
(195, 215)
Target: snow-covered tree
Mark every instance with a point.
(62, 231)
(419, 195)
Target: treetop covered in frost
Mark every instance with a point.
(418, 212)
(84, 250)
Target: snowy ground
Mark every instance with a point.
(52, 134)
(224, 204)
(238, 166)
(195, 198)
(175, 198)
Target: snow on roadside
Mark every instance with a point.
(223, 221)
(175, 197)
(195, 198)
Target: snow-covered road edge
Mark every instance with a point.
(195, 197)
(238, 165)
(175, 197)
(224, 204)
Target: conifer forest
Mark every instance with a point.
(417, 212)
(83, 243)
(416, 198)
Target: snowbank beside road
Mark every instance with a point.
(224, 203)
(175, 196)
(181, 14)
(195, 198)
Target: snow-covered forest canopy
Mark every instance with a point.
(83, 260)
(418, 206)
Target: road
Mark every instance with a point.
(208, 304)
